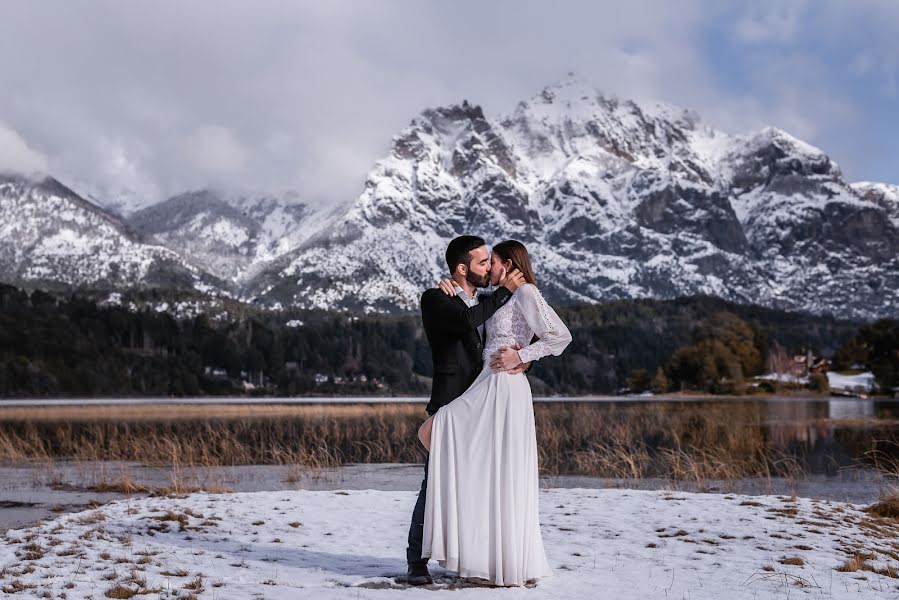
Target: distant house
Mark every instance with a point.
(803, 364)
(291, 366)
(822, 365)
(799, 364)
(320, 378)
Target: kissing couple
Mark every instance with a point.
(477, 512)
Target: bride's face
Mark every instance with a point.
(496, 267)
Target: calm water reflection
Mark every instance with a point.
(835, 433)
(827, 435)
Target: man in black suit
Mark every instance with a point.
(454, 326)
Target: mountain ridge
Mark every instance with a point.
(614, 199)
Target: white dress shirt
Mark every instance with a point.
(470, 302)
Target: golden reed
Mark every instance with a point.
(679, 441)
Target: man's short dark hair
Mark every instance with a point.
(459, 250)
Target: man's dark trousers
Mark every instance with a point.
(416, 529)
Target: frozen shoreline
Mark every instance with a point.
(29, 493)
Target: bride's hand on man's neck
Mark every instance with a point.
(463, 283)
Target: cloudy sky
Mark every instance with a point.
(154, 97)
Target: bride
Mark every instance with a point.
(481, 511)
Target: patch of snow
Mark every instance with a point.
(114, 299)
(784, 378)
(860, 382)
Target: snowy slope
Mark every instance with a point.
(624, 544)
(50, 236)
(883, 194)
(230, 235)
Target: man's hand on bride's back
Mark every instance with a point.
(512, 280)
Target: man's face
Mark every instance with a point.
(478, 273)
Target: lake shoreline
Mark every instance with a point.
(34, 492)
(213, 400)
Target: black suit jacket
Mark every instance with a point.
(456, 346)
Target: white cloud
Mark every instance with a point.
(156, 97)
(771, 21)
(17, 156)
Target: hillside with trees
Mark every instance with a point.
(73, 346)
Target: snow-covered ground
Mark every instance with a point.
(610, 543)
(784, 377)
(863, 382)
(860, 382)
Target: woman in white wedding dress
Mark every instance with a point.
(481, 510)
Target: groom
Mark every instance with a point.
(455, 327)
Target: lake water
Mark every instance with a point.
(827, 432)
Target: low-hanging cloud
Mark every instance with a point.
(213, 149)
(148, 99)
(17, 156)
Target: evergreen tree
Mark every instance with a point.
(659, 382)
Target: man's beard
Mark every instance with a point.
(479, 281)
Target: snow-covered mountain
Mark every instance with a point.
(883, 194)
(614, 199)
(50, 237)
(230, 235)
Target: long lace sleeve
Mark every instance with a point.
(544, 322)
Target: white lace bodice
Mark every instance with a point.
(527, 314)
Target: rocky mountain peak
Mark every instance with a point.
(614, 199)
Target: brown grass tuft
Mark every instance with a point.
(178, 573)
(120, 591)
(195, 585)
(16, 586)
(886, 508)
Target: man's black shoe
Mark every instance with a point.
(418, 575)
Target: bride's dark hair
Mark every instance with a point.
(516, 252)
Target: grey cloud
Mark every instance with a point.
(151, 98)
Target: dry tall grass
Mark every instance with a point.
(679, 441)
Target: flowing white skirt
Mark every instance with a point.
(481, 509)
